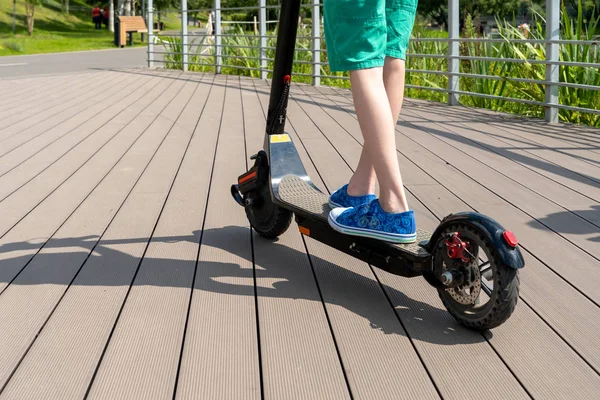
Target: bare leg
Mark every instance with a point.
(378, 94)
(393, 79)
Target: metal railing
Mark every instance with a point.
(205, 42)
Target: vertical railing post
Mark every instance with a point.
(262, 32)
(217, 30)
(184, 36)
(316, 42)
(552, 55)
(453, 46)
(150, 34)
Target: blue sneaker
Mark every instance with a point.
(369, 220)
(341, 198)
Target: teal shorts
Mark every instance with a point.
(359, 34)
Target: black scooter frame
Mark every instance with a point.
(280, 158)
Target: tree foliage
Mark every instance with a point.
(437, 10)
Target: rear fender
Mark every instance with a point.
(491, 229)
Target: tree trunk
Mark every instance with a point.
(14, 16)
(30, 11)
(67, 6)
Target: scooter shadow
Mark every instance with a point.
(288, 274)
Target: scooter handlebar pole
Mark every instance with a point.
(284, 59)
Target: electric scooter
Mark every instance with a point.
(470, 259)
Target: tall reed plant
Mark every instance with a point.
(241, 55)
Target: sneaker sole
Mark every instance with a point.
(393, 238)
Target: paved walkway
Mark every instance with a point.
(128, 272)
(60, 63)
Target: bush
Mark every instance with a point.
(238, 17)
(14, 46)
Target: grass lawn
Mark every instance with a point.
(57, 32)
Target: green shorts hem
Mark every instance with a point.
(396, 54)
(343, 67)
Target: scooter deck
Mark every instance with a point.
(296, 192)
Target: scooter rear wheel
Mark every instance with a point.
(489, 292)
(267, 219)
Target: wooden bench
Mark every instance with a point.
(129, 25)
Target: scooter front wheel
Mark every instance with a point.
(485, 291)
(267, 219)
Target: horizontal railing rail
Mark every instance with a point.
(222, 46)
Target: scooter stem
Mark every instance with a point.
(284, 60)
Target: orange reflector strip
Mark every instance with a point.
(247, 177)
(304, 231)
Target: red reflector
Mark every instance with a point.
(510, 238)
(287, 79)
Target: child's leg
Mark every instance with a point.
(363, 180)
(377, 124)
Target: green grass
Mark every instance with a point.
(53, 30)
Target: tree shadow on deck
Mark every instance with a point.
(281, 272)
(563, 220)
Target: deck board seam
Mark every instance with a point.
(82, 95)
(49, 128)
(70, 214)
(520, 297)
(49, 194)
(141, 260)
(193, 283)
(72, 147)
(83, 263)
(470, 206)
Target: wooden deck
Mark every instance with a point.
(128, 272)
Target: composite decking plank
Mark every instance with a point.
(564, 136)
(220, 351)
(41, 223)
(81, 325)
(41, 100)
(20, 145)
(20, 102)
(299, 357)
(559, 350)
(24, 164)
(564, 257)
(478, 142)
(22, 202)
(37, 131)
(298, 330)
(28, 302)
(142, 357)
(79, 123)
(483, 198)
(564, 226)
(23, 86)
(46, 118)
(574, 317)
(443, 357)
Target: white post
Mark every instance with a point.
(111, 16)
(552, 33)
(316, 42)
(217, 29)
(453, 63)
(184, 36)
(262, 31)
(150, 35)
